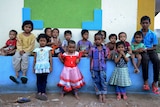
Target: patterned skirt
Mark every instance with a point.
(71, 78)
(120, 77)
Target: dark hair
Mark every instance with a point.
(26, 23)
(138, 33)
(98, 34)
(67, 31)
(100, 31)
(120, 43)
(13, 31)
(145, 18)
(45, 30)
(42, 36)
(71, 42)
(55, 29)
(121, 33)
(112, 35)
(84, 31)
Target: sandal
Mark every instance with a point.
(14, 79)
(155, 89)
(146, 87)
(24, 79)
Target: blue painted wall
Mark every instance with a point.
(7, 86)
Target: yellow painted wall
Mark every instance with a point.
(146, 7)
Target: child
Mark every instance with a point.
(98, 56)
(68, 36)
(71, 77)
(150, 41)
(120, 77)
(122, 37)
(48, 32)
(56, 43)
(84, 44)
(25, 45)
(104, 34)
(10, 47)
(112, 45)
(42, 65)
(138, 36)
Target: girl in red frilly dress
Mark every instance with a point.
(71, 78)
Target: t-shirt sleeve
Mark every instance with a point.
(132, 47)
(35, 50)
(155, 40)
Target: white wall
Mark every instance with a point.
(117, 16)
(120, 15)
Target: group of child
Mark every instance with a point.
(70, 54)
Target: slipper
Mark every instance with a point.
(24, 79)
(14, 79)
(146, 87)
(23, 100)
(155, 89)
(125, 97)
(43, 97)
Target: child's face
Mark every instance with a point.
(68, 36)
(42, 42)
(49, 32)
(120, 48)
(71, 48)
(138, 38)
(103, 35)
(55, 33)
(145, 24)
(113, 39)
(85, 35)
(27, 28)
(12, 35)
(123, 37)
(98, 40)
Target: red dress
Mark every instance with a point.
(71, 77)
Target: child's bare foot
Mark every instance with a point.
(119, 96)
(104, 98)
(77, 97)
(62, 94)
(125, 97)
(100, 98)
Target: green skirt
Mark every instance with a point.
(120, 77)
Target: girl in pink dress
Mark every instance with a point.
(71, 78)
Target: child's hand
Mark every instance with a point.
(21, 52)
(77, 60)
(50, 69)
(33, 70)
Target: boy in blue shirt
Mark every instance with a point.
(150, 41)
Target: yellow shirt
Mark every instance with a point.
(25, 43)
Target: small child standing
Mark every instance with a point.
(10, 47)
(98, 56)
(25, 45)
(84, 44)
(122, 37)
(120, 77)
(71, 78)
(136, 46)
(42, 65)
(68, 36)
(112, 45)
